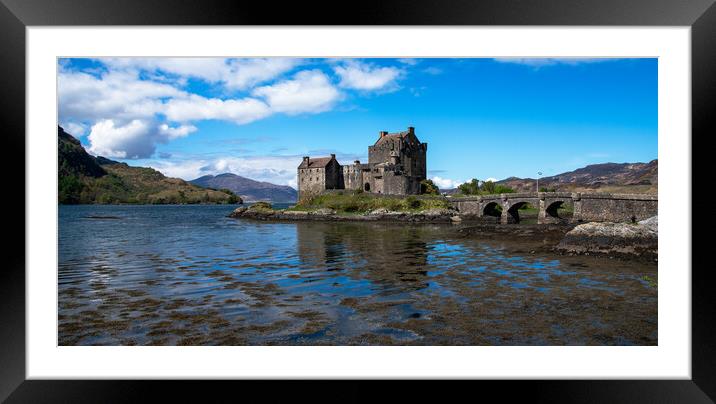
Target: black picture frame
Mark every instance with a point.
(16, 15)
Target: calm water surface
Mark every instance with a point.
(187, 275)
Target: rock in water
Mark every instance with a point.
(651, 223)
(613, 239)
(238, 212)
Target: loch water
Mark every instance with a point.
(189, 275)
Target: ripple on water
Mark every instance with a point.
(187, 275)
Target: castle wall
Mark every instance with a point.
(394, 184)
(333, 175)
(381, 153)
(311, 181)
(353, 176)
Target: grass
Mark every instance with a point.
(352, 202)
(263, 207)
(136, 185)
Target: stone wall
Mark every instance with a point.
(311, 181)
(314, 180)
(395, 184)
(587, 207)
(614, 207)
(334, 175)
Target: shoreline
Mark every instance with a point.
(612, 240)
(328, 215)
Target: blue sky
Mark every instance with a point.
(482, 118)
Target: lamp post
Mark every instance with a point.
(538, 174)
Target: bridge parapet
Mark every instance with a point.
(625, 197)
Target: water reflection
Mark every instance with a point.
(392, 257)
(189, 275)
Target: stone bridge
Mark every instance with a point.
(586, 207)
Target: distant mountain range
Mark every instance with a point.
(608, 177)
(84, 179)
(248, 189)
(605, 177)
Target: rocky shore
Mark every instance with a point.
(613, 239)
(620, 240)
(325, 214)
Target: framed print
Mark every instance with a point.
(465, 192)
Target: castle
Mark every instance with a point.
(396, 166)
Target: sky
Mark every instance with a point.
(482, 118)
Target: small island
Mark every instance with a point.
(357, 206)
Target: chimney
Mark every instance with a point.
(333, 156)
(383, 133)
(411, 130)
(357, 162)
(306, 160)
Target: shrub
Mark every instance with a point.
(261, 206)
(474, 187)
(412, 202)
(428, 187)
(70, 188)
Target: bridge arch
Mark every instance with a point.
(513, 214)
(556, 210)
(492, 209)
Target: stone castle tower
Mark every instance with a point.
(396, 166)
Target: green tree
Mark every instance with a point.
(476, 187)
(429, 187)
(488, 188)
(501, 189)
(470, 188)
(69, 189)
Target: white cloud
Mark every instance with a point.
(125, 109)
(540, 62)
(115, 95)
(310, 91)
(408, 61)
(196, 107)
(492, 179)
(130, 105)
(136, 139)
(249, 72)
(233, 73)
(446, 183)
(170, 133)
(362, 76)
(74, 129)
(208, 69)
(433, 70)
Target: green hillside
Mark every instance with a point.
(84, 179)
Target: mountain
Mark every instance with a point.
(83, 178)
(73, 160)
(248, 189)
(605, 177)
(633, 178)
